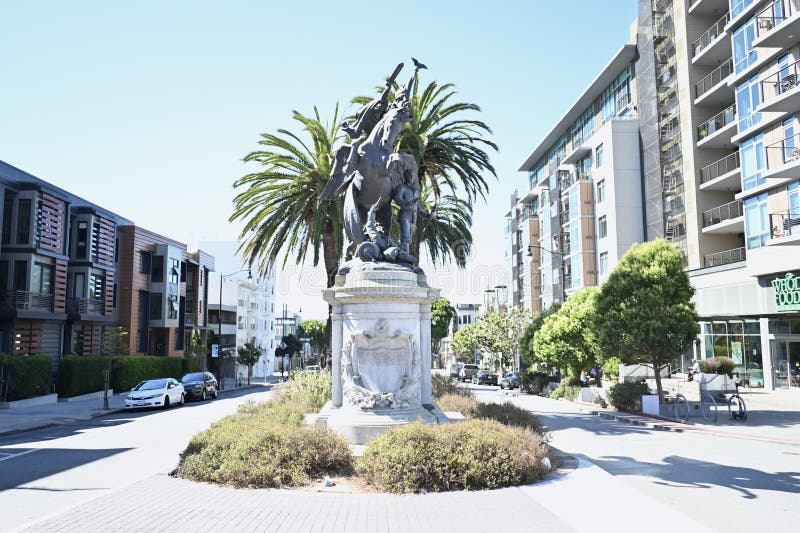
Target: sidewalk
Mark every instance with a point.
(17, 420)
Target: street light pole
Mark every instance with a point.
(220, 358)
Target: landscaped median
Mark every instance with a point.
(267, 445)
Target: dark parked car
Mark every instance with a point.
(200, 385)
(510, 381)
(484, 377)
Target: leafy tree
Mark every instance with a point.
(499, 334)
(279, 204)
(645, 312)
(441, 316)
(115, 341)
(526, 340)
(249, 354)
(466, 341)
(567, 337)
(315, 331)
(293, 345)
(198, 350)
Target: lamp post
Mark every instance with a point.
(221, 363)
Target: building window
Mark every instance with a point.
(756, 221)
(8, 213)
(145, 262)
(744, 54)
(789, 141)
(603, 263)
(601, 191)
(156, 302)
(616, 98)
(793, 192)
(573, 203)
(753, 162)
(748, 98)
(598, 156)
(24, 222)
(42, 281)
(81, 240)
(172, 308)
(157, 272)
(97, 287)
(21, 275)
(174, 271)
(577, 270)
(602, 226)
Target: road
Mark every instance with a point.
(46, 472)
(727, 483)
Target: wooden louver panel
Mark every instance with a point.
(60, 287)
(105, 240)
(109, 304)
(51, 223)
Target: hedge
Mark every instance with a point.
(82, 374)
(27, 376)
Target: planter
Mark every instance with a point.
(30, 402)
(650, 404)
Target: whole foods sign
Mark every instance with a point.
(787, 293)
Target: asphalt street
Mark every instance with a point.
(45, 472)
(727, 483)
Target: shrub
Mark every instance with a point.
(128, 370)
(27, 376)
(533, 382)
(509, 414)
(459, 403)
(611, 368)
(477, 454)
(566, 390)
(81, 374)
(264, 445)
(443, 385)
(312, 390)
(626, 396)
(718, 365)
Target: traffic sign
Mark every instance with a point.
(215, 350)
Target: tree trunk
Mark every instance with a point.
(659, 388)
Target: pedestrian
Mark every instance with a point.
(695, 369)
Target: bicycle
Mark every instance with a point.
(736, 406)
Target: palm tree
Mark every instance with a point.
(446, 233)
(279, 204)
(451, 152)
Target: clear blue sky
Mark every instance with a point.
(147, 108)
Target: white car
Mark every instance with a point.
(156, 393)
(314, 368)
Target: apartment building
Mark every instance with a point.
(716, 93)
(254, 301)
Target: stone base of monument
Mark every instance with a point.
(381, 350)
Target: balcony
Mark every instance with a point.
(86, 307)
(717, 131)
(785, 224)
(26, 301)
(724, 219)
(712, 47)
(712, 89)
(190, 319)
(777, 25)
(722, 175)
(781, 91)
(726, 257)
(783, 158)
(707, 7)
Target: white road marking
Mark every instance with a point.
(11, 456)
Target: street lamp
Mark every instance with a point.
(221, 363)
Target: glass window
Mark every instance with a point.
(752, 327)
(145, 262)
(174, 271)
(793, 194)
(21, 275)
(42, 278)
(573, 203)
(789, 141)
(744, 54)
(576, 264)
(603, 263)
(574, 236)
(748, 98)
(601, 191)
(737, 6)
(602, 227)
(97, 286)
(3, 276)
(81, 240)
(752, 155)
(24, 221)
(172, 308)
(157, 273)
(598, 156)
(155, 306)
(756, 221)
(8, 208)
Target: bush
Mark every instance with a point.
(477, 454)
(459, 403)
(28, 376)
(311, 390)
(510, 415)
(533, 382)
(611, 368)
(81, 374)
(566, 390)
(264, 445)
(443, 385)
(718, 365)
(626, 396)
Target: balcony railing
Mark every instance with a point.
(713, 78)
(726, 257)
(717, 122)
(711, 33)
(724, 212)
(784, 224)
(786, 79)
(774, 15)
(720, 167)
(86, 306)
(26, 300)
(190, 319)
(782, 152)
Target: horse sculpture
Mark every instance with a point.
(371, 175)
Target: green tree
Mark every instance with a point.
(115, 341)
(293, 345)
(198, 350)
(249, 354)
(279, 203)
(645, 312)
(499, 333)
(527, 356)
(466, 341)
(441, 316)
(315, 331)
(567, 337)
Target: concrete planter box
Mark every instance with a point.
(89, 396)
(650, 404)
(30, 402)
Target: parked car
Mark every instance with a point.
(155, 393)
(314, 368)
(510, 381)
(454, 370)
(484, 377)
(467, 372)
(200, 385)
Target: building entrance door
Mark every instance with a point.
(786, 367)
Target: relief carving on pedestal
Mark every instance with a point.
(381, 370)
